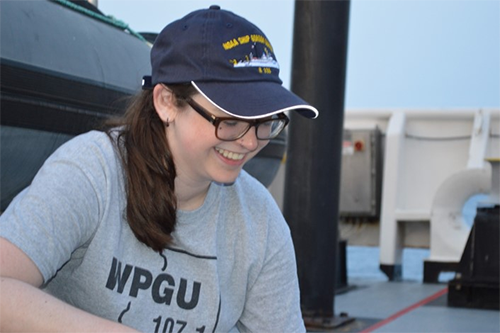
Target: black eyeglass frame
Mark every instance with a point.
(214, 120)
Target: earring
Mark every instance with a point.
(167, 123)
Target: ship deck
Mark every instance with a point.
(374, 304)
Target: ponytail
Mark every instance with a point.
(149, 168)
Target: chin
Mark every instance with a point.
(226, 179)
(223, 184)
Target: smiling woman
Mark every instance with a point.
(151, 224)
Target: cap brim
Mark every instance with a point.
(253, 100)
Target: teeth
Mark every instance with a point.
(230, 155)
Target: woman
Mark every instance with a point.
(153, 225)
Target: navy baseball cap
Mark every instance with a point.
(228, 60)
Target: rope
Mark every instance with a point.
(106, 19)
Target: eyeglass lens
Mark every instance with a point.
(234, 129)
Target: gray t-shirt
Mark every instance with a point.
(231, 267)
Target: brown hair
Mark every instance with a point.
(149, 168)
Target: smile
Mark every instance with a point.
(230, 155)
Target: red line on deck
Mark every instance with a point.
(406, 310)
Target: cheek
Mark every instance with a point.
(261, 146)
(195, 138)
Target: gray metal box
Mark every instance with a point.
(361, 175)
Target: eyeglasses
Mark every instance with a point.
(231, 129)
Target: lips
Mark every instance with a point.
(230, 155)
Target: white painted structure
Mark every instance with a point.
(434, 161)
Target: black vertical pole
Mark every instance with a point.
(312, 182)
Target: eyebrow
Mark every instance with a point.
(208, 112)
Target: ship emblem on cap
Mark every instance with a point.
(252, 60)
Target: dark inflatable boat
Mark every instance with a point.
(64, 68)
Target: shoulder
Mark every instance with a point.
(257, 204)
(87, 158)
(251, 187)
(93, 141)
(93, 149)
(252, 194)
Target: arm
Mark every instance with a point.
(24, 307)
(48, 221)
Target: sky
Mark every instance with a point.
(401, 53)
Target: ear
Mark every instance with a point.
(163, 100)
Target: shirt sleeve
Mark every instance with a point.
(61, 209)
(273, 300)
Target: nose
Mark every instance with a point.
(249, 140)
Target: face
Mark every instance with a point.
(199, 156)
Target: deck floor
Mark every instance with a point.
(374, 304)
(408, 306)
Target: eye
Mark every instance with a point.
(231, 123)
